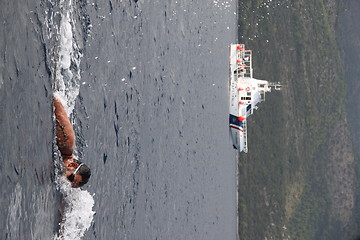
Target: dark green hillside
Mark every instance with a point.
(349, 39)
(298, 178)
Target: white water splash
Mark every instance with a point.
(68, 65)
(78, 213)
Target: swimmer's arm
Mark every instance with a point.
(64, 131)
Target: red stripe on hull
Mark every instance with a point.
(236, 128)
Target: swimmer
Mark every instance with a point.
(76, 172)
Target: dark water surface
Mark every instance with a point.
(28, 199)
(151, 118)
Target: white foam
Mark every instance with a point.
(78, 213)
(68, 65)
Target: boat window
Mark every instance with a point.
(248, 108)
(262, 96)
(249, 93)
(245, 98)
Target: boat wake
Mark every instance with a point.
(65, 56)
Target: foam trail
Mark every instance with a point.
(68, 65)
(78, 213)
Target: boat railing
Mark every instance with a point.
(245, 137)
(248, 62)
(244, 62)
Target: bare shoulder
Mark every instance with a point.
(64, 131)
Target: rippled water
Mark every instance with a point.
(151, 117)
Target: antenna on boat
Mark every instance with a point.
(277, 86)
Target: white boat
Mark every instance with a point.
(245, 93)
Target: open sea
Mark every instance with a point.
(145, 84)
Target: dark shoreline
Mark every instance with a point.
(292, 186)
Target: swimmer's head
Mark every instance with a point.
(80, 174)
